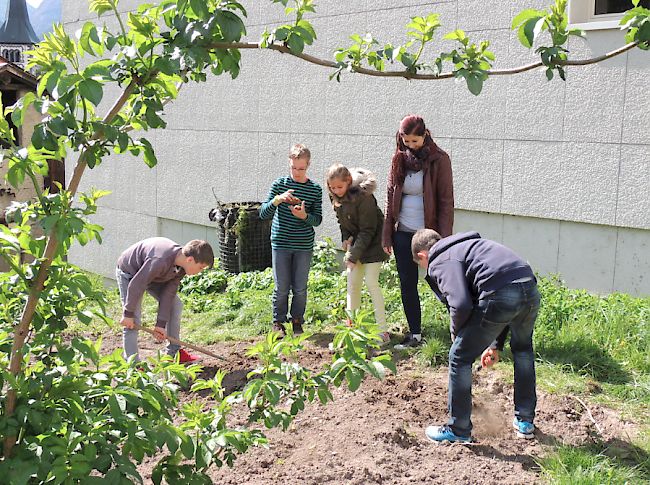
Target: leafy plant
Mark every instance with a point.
(530, 23)
(637, 23)
(471, 62)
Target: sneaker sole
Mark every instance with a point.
(462, 442)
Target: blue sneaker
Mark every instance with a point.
(524, 429)
(444, 433)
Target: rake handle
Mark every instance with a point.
(180, 342)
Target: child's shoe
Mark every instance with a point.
(444, 433)
(409, 342)
(524, 429)
(279, 327)
(385, 338)
(184, 357)
(297, 326)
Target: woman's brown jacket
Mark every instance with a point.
(438, 195)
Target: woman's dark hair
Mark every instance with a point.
(409, 125)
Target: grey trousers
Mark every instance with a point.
(130, 336)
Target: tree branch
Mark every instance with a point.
(409, 75)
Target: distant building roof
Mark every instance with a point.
(17, 29)
(10, 72)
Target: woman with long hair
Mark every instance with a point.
(419, 194)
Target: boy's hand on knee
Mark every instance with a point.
(160, 334)
(127, 322)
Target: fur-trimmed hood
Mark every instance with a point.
(363, 183)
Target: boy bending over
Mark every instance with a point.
(487, 289)
(157, 266)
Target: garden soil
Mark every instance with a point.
(376, 434)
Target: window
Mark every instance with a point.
(12, 55)
(599, 14)
(604, 7)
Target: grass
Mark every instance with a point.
(596, 464)
(592, 346)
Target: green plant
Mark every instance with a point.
(530, 23)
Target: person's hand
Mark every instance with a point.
(127, 322)
(349, 265)
(287, 197)
(299, 210)
(387, 250)
(347, 243)
(160, 334)
(489, 357)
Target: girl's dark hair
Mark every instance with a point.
(409, 125)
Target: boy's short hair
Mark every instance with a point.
(423, 240)
(200, 250)
(299, 151)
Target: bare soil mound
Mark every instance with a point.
(376, 434)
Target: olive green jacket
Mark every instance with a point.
(360, 218)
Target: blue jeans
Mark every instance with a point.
(515, 305)
(130, 335)
(408, 279)
(290, 273)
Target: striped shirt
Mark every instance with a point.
(288, 231)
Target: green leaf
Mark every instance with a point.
(272, 392)
(455, 35)
(187, 447)
(529, 31)
(475, 84)
(91, 90)
(149, 156)
(21, 475)
(525, 15)
(84, 38)
(58, 126)
(296, 43)
(353, 375)
(199, 7)
(64, 83)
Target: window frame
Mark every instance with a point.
(582, 16)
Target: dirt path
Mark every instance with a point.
(376, 434)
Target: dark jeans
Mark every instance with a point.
(408, 279)
(515, 305)
(290, 273)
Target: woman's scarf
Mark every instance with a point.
(417, 159)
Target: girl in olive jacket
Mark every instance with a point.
(361, 222)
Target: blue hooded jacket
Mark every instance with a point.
(464, 268)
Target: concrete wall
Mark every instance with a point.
(558, 171)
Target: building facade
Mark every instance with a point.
(558, 171)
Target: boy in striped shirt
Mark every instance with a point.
(295, 204)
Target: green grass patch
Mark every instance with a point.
(596, 464)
